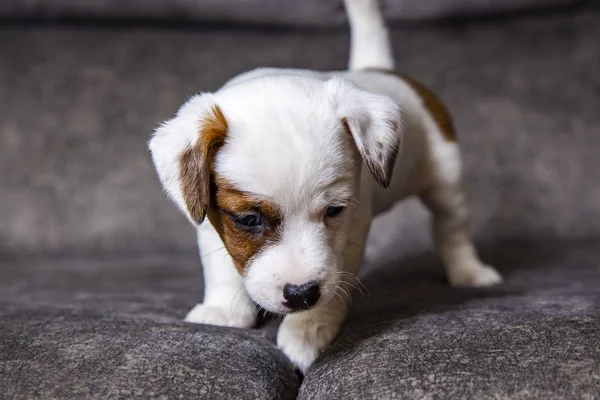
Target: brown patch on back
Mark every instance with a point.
(226, 202)
(436, 108)
(195, 163)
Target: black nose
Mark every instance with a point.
(301, 297)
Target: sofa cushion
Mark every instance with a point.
(64, 355)
(535, 337)
(112, 329)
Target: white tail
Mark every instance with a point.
(369, 38)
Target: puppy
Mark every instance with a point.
(281, 171)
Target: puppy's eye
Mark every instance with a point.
(334, 211)
(249, 222)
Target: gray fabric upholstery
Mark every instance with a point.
(97, 268)
(111, 328)
(536, 337)
(49, 354)
(270, 12)
(76, 175)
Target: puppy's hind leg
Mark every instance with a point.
(445, 198)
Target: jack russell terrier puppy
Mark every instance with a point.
(283, 169)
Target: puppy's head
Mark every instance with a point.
(274, 164)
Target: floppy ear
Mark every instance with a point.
(375, 124)
(183, 149)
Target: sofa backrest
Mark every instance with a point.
(78, 106)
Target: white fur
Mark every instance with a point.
(289, 146)
(171, 139)
(369, 38)
(286, 143)
(226, 301)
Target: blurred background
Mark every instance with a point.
(85, 230)
(85, 82)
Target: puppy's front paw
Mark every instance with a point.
(243, 317)
(303, 337)
(474, 274)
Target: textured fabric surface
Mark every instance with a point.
(78, 106)
(270, 12)
(535, 337)
(97, 268)
(111, 329)
(62, 356)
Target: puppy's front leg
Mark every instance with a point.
(226, 301)
(304, 335)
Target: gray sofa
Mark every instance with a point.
(97, 268)
(307, 13)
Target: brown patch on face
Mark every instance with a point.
(436, 108)
(226, 203)
(195, 163)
